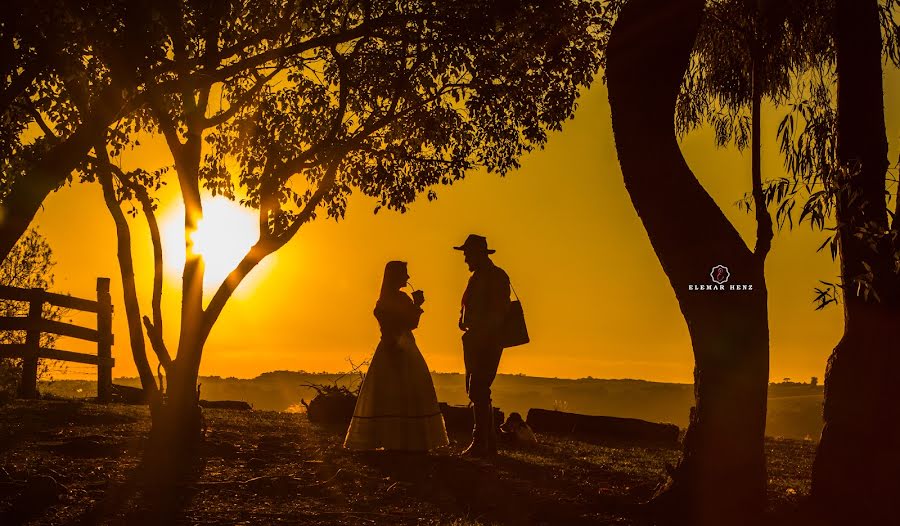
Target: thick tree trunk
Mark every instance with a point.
(172, 460)
(722, 477)
(856, 474)
(181, 418)
(29, 190)
(47, 174)
(176, 430)
(21, 205)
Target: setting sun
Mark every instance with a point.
(223, 236)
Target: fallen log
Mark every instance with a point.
(604, 428)
(124, 394)
(460, 418)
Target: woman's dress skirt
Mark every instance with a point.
(397, 408)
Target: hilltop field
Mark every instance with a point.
(77, 462)
(795, 409)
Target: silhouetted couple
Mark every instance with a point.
(397, 407)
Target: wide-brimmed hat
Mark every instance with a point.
(475, 243)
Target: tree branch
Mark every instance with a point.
(226, 115)
(154, 330)
(269, 33)
(343, 95)
(303, 160)
(210, 52)
(764, 229)
(18, 86)
(251, 259)
(39, 119)
(309, 209)
(166, 124)
(173, 16)
(212, 76)
(262, 249)
(158, 345)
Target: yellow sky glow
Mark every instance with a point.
(595, 297)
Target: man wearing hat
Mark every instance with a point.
(484, 307)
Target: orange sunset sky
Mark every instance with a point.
(596, 299)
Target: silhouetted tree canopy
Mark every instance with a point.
(807, 137)
(787, 38)
(69, 71)
(794, 42)
(292, 106)
(389, 99)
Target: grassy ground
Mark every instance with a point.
(794, 409)
(64, 462)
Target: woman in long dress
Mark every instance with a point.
(397, 408)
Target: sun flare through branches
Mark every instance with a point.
(224, 235)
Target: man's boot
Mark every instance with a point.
(490, 432)
(479, 445)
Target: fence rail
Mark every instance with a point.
(34, 324)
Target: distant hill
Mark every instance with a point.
(794, 409)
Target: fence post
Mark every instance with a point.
(28, 385)
(104, 343)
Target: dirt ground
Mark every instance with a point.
(68, 462)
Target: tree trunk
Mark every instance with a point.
(721, 478)
(129, 290)
(47, 174)
(764, 227)
(856, 474)
(177, 427)
(30, 189)
(171, 460)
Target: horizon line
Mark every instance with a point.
(338, 373)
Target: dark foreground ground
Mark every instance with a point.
(793, 410)
(64, 462)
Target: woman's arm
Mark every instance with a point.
(409, 312)
(398, 310)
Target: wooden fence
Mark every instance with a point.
(34, 324)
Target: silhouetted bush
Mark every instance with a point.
(28, 265)
(332, 405)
